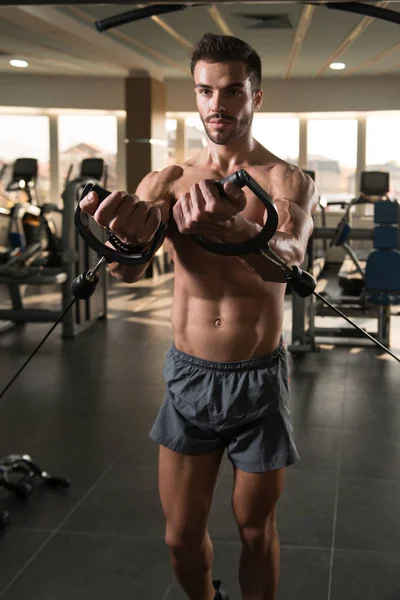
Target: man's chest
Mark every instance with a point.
(254, 209)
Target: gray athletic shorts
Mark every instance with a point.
(242, 406)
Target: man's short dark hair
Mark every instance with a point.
(220, 48)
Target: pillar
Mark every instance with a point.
(121, 153)
(180, 142)
(146, 138)
(54, 163)
(360, 210)
(361, 150)
(303, 143)
(146, 135)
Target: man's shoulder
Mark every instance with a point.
(283, 169)
(270, 166)
(160, 183)
(164, 176)
(169, 182)
(277, 169)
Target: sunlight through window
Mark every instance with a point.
(332, 154)
(87, 136)
(383, 148)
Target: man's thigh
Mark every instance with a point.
(186, 485)
(255, 496)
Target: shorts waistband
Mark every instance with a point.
(241, 365)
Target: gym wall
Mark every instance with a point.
(308, 95)
(297, 95)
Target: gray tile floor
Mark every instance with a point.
(84, 408)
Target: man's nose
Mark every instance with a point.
(216, 103)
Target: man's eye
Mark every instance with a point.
(234, 92)
(204, 92)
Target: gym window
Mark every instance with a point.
(383, 149)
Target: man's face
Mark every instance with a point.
(225, 100)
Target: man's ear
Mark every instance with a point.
(258, 98)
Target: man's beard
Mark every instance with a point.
(235, 132)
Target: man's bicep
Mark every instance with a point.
(292, 219)
(296, 202)
(157, 188)
(303, 223)
(150, 191)
(303, 208)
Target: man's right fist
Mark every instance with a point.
(133, 221)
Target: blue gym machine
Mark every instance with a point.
(377, 278)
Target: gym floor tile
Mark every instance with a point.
(319, 449)
(46, 507)
(143, 452)
(16, 431)
(92, 362)
(135, 400)
(323, 410)
(16, 548)
(139, 327)
(304, 574)
(43, 399)
(125, 502)
(121, 370)
(371, 453)
(372, 412)
(101, 398)
(311, 370)
(365, 576)
(380, 377)
(95, 566)
(142, 366)
(83, 438)
(316, 382)
(368, 515)
(326, 356)
(78, 447)
(305, 511)
(369, 356)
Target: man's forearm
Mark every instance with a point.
(263, 267)
(285, 246)
(127, 273)
(130, 273)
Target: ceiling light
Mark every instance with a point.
(18, 63)
(337, 66)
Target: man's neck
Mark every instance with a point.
(227, 159)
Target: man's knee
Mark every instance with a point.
(258, 536)
(181, 539)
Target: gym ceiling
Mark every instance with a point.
(294, 40)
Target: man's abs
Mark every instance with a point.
(222, 311)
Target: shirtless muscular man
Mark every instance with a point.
(226, 373)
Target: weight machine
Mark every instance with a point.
(55, 261)
(378, 277)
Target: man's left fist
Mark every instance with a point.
(203, 211)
